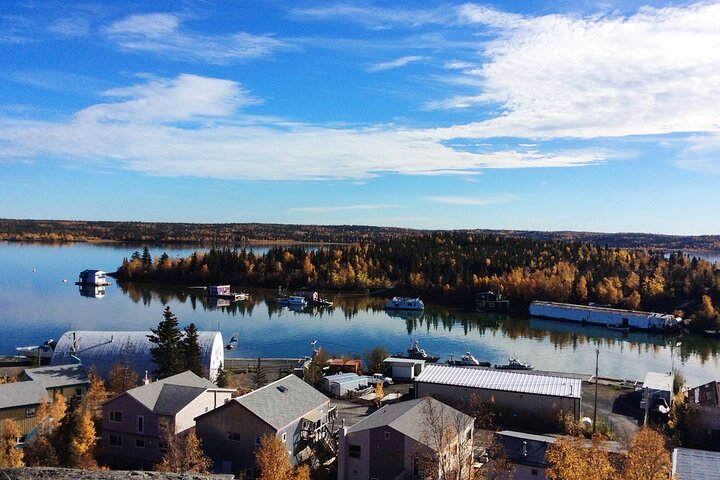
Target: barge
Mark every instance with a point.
(608, 317)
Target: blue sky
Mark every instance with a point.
(537, 115)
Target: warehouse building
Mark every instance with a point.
(520, 399)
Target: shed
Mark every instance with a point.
(404, 368)
(341, 384)
(102, 350)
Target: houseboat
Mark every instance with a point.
(93, 277)
(313, 299)
(491, 302)
(405, 303)
(605, 316)
(223, 291)
(292, 301)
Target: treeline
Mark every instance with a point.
(224, 234)
(453, 267)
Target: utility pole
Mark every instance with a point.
(597, 359)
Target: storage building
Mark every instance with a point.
(341, 384)
(612, 317)
(102, 350)
(403, 368)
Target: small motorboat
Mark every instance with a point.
(44, 351)
(415, 352)
(514, 364)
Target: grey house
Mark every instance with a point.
(132, 421)
(288, 408)
(526, 452)
(391, 443)
(69, 380)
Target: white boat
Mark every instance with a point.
(405, 303)
(467, 360)
(44, 351)
(514, 364)
(292, 300)
(223, 291)
(92, 277)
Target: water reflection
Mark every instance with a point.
(92, 291)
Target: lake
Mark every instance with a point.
(36, 304)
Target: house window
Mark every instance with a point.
(115, 441)
(354, 451)
(534, 472)
(140, 424)
(258, 440)
(387, 435)
(79, 393)
(235, 437)
(139, 443)
(30, 412)
(116, 417)
(284, 436)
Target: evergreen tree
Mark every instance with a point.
(259, 377)
(146, 259)
(191, 351)
(222, 377)
(167, 354)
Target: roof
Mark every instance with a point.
(407, 418)
(689, 464)
(708, 394)
(597, 308)
(20, 394)
(659, 381)
(525, 448)
(283, 401)
(508, 381)
(403, 360)
(170, 395)
(341, 378)
(59, 375)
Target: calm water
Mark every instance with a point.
(37, 305)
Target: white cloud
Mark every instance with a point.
(473, 201)
(337, 208)
(189, 126)
(161, 33)
(375, 17)
(654, 72)
(701, 155)
(399, 62)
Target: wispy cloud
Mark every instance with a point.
(473, 201)
(337, 208)
(192, 126)
(376, 17)
(161, 34)
(399, 62)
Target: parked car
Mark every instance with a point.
(378, 378)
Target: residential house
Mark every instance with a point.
(69, 380)
(705, 399)
(396, 442)
(19, 402)
(288, 408)
(133, 421)
(526, 453)
(691, 464)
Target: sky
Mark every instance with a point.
(532, 115)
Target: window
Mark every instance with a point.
(534, 472)
(140, 424)
(258, 440)
(284, 436)
(79, 393)
(30, 412)
(387, 435)
(115, 441)
(235, 437)
(116, 417)
(139, 443)
(354, 451)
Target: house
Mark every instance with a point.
(520, 399)
(657, 394)
(69, 380)
(288, 408)
(132, 421)
(92, 277)
(526, 452)
(340, 365)
(691, 464)
(403, 368)
(491, 302)
(19, 402)
(394, 442)
(705, 400)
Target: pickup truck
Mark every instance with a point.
(378, 378)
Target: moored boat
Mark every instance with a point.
(92, 277)
(44, 351)
(514, 364)
(467, 360)
(405, 303)
(416, 353)
(292, 300)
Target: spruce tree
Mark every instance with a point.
(222, 377)
(191, 351)
(259, 377)
(167, 353)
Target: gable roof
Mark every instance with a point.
(689, 464)
(407, 418)
(59, 376)
(283, 401)
(170, 395)
(22, 393)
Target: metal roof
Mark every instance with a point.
(22, 393)
(403, 360)
(490, 379)
(662, 382)
(691, 464)
(103, 350)
(59, 376)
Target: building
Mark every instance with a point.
(657, 394)
(19, 402)
(341, 384)
(133, 421)
(527, 399)
(92, 277)
(69, 380)
(705, 400)
(403, 368)
(103, 350)
(526, 452)
(340, 365)
(601, 315)
(393, 442)
(491, 302)
(288, 408)
(690, 464)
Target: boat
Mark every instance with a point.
(44, 351)
(619, 328)
(313, 298)
(603, 316)
(232, 343)
(467, 360)
(416, 353)
(405, 303)
(491, 302)
(514, 364)
(92, 277)
(223, 291)
(292, 301)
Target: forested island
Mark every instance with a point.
(452, 267)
